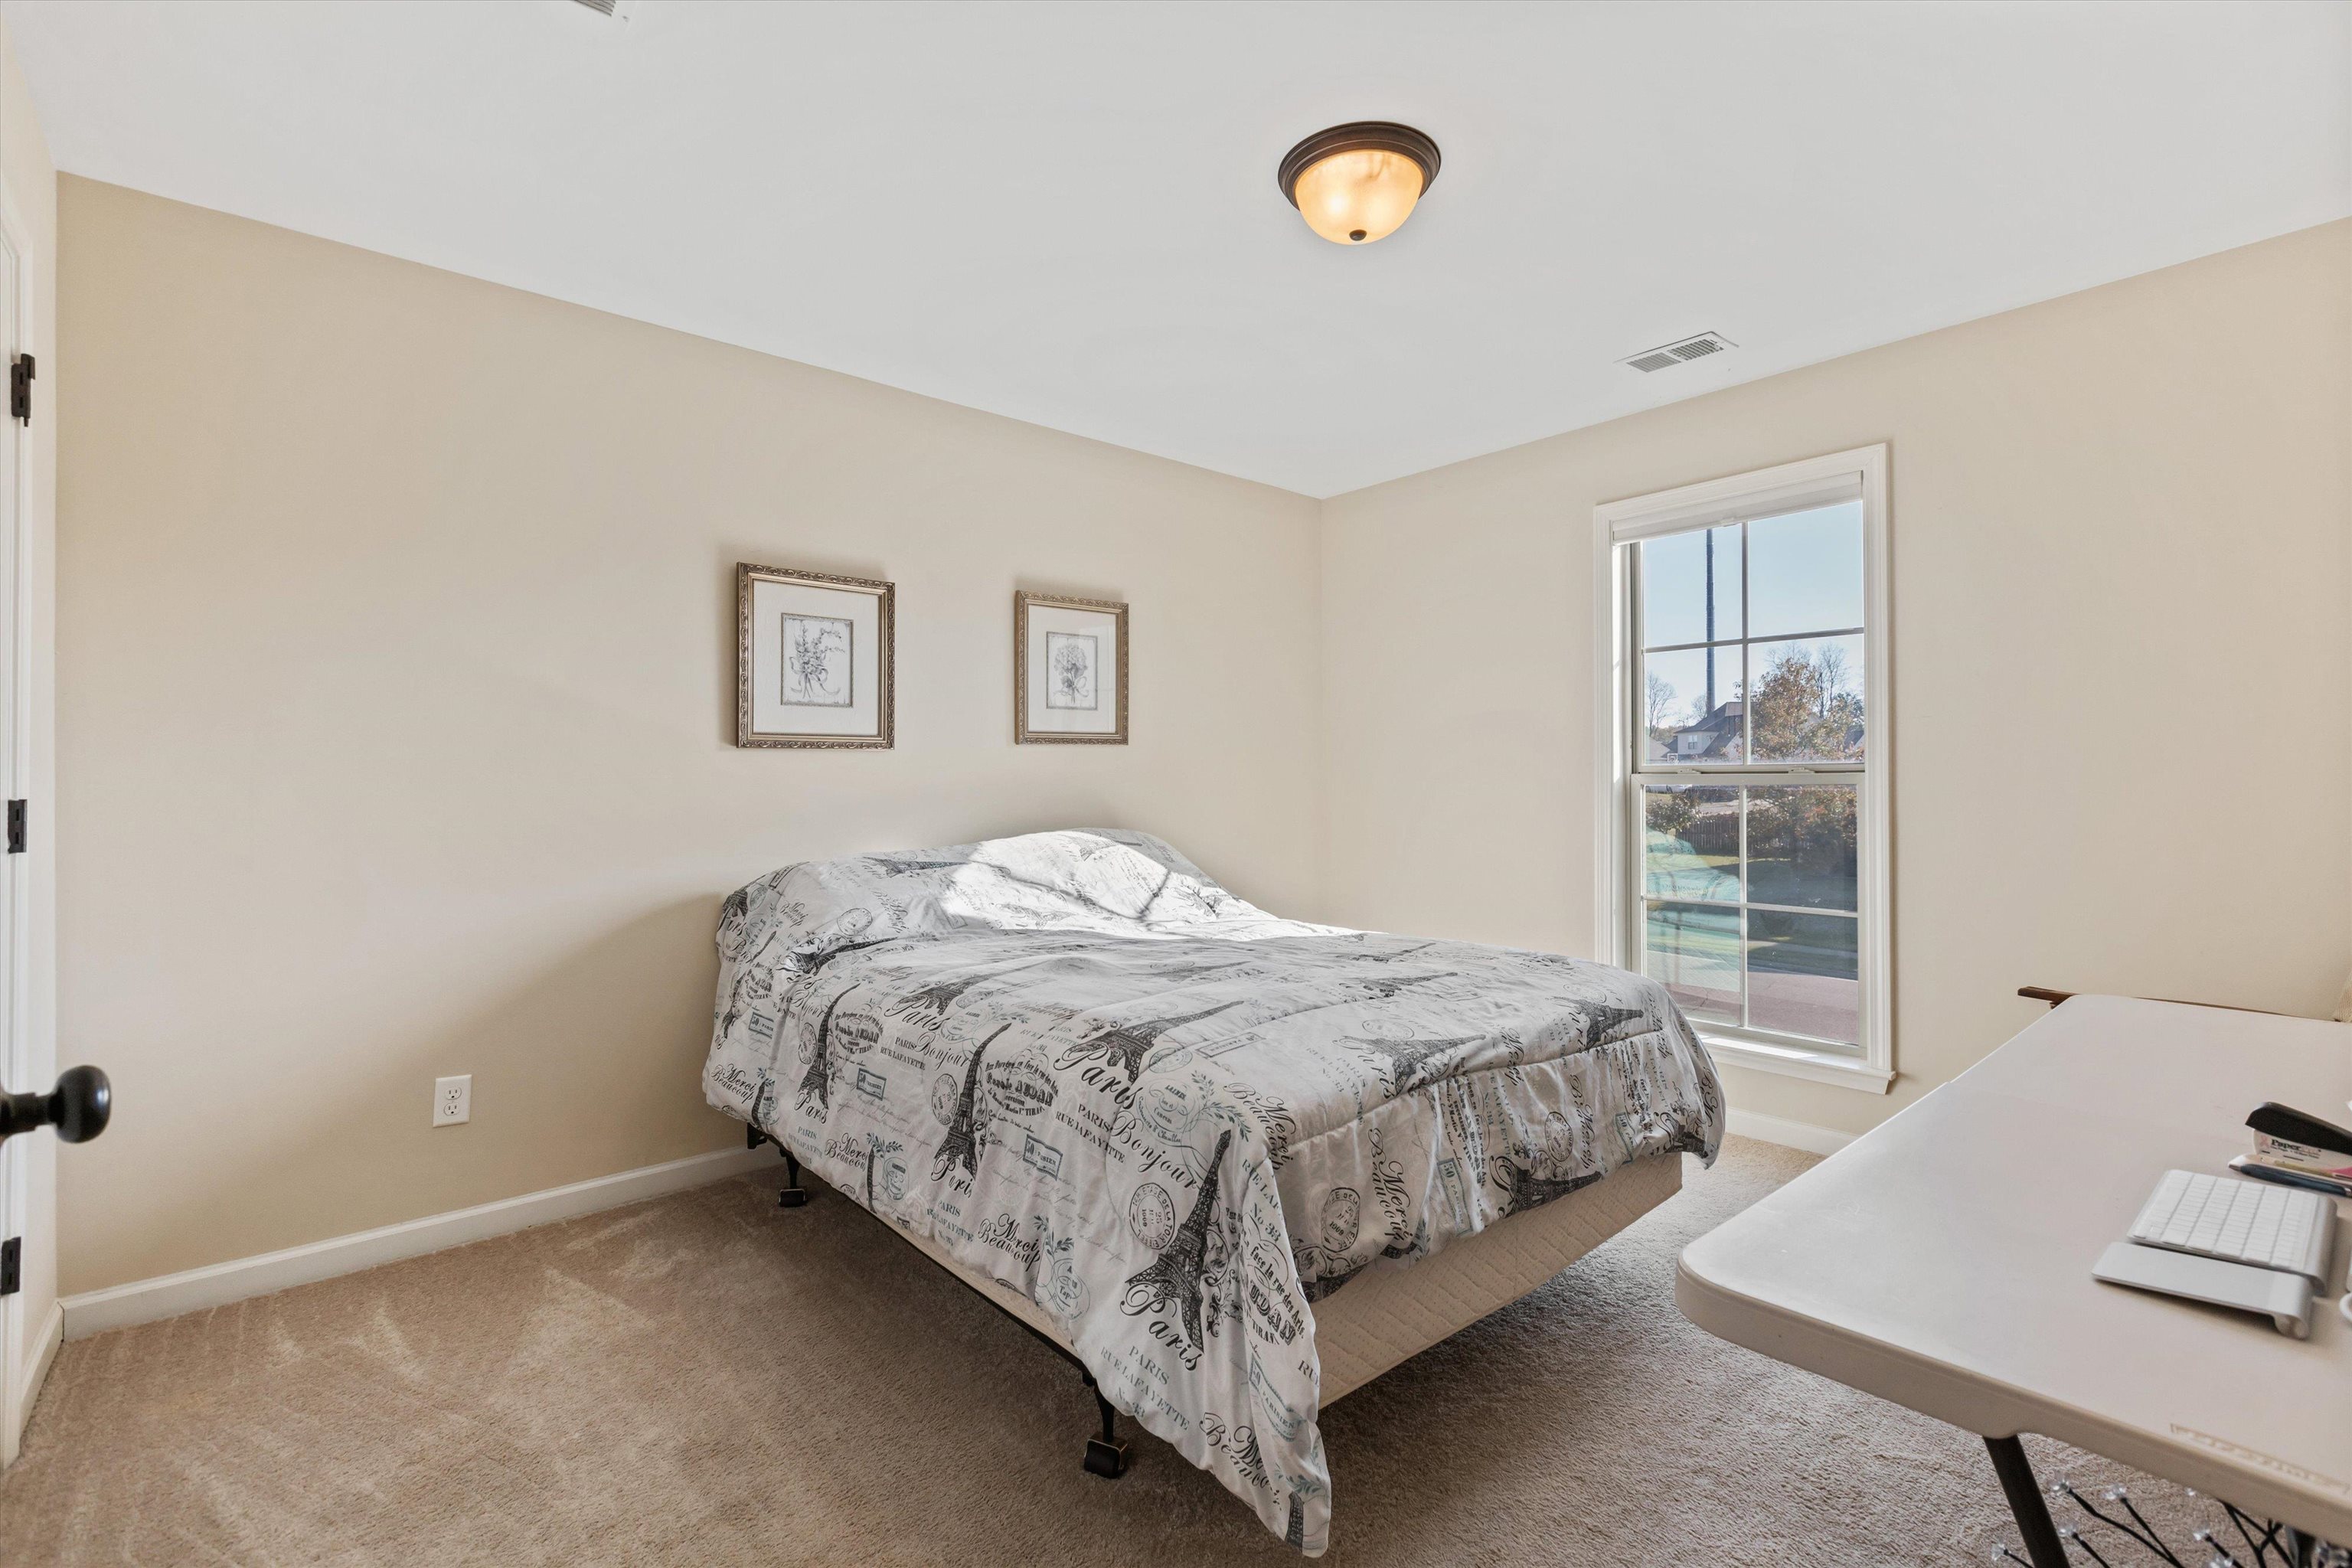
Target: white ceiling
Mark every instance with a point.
(1067, 213)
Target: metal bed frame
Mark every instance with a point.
(1107, 1455)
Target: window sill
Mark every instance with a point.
(1817, 1067)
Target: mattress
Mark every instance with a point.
(1188, 1132)
(1389, 1316)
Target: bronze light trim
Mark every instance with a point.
(1359, 136)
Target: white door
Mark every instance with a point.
(13, 1067)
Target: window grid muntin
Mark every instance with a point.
(1742, 906)
(1643, 774)
(1777, 637)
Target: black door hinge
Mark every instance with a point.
(20, 388)
(15, 827)
(10, 1251)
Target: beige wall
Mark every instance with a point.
(2123, 730)
(30, 183)
(397, 645)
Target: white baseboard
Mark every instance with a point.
(35, 1372)
(218, 1284)
(53, 1334)
(169, 1295)
(1789, 1135)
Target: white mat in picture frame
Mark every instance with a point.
(813, 659)
(1069, 670)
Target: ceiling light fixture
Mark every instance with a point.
(1355, 183)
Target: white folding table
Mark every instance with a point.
(1943, 1262)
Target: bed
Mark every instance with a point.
(1233, 1166)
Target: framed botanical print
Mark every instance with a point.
(1069, 670)
(812, 659)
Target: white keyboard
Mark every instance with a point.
(2261, 1222)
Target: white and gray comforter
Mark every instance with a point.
(1084, 1069)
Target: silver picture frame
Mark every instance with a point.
(1072, 679)
(824, 678)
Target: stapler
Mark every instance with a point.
(2298, 1149)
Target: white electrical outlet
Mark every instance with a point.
(453, 1100)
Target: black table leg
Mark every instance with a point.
(2032, 1514)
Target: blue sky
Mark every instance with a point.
(1804, 574)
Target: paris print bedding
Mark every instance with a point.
(1089, 1073)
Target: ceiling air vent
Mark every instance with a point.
(611, 10)
(1683, 352)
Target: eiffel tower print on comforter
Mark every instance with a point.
(1090, 1074)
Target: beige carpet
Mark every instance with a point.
(706, 1379)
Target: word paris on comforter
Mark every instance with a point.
(1174, 1121)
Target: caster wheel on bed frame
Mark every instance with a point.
(1107, 1460)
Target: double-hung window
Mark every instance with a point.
(1744, 841)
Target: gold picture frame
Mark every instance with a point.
(828, 658)
(1059, 647)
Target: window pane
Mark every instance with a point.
(1690, 702)
(1806, 571)
(1675, 575)
(1800, 845)
(1809, 700)
(1693, 952)
(1691, 842)
(1803, 976)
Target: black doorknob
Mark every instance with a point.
(78, 1108)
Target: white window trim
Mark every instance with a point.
(1617, 525)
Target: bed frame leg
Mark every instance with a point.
(1106, 1455)
(793, 1196)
